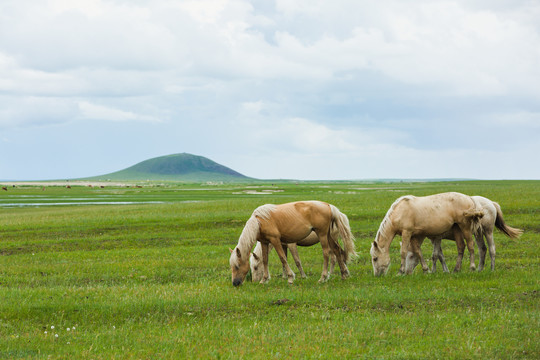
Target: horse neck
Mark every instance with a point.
(386, 233)
(248, 238)
(384, 238)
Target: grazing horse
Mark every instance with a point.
(255, 258)
(493, 217)
(290, 223)
(415, 218)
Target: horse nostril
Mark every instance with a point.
(237, 282)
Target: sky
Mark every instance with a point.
(274, 89)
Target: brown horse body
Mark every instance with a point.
(290, 223)
(255, 259)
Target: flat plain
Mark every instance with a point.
(120, 272)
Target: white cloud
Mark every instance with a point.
(361, 80)
(100, 112)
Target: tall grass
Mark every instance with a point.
(152, 280)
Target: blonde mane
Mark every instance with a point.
(248, 238)
(386, 221)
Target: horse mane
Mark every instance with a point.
(386, 221)
(248, 238)
(264, 211)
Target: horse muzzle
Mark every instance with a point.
(237, 282)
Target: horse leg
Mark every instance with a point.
(326, 253)
(491, 247)
(482, 249)
(405, 242)
(440, 255)
(285, 248)
(276, 241)
(338, 253)
(436, 242)
(470, 246)
(333, 261)
(419, 242)
(266, 274)
(296, 257)
(442, 260)
(415, 254)
(460, 247)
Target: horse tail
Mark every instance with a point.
(341, 221)
(509, 231)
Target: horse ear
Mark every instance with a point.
(255, 257)
(238, 253)
(231, 250)
(375, 246)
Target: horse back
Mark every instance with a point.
(294, 221)
(433, 214)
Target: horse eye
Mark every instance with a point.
(236, 267)
(375, 259)
(256, 267)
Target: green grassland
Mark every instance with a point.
(142, 273)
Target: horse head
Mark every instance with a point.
(380, 259)
(239, 266)
(257, 270)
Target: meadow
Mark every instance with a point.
(143, 273)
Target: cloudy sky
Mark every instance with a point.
(305, 89)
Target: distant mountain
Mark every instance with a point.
(177, 167)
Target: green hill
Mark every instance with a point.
(178, 167)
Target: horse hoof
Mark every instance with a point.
(323, 280)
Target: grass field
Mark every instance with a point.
(142, 273)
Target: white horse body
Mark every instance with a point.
(492, 218)
(415, 218)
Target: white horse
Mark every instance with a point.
(290, 223)
(493, 217)
(415, 218)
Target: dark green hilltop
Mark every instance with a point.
(178, 167)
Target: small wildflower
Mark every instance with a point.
(73, 328)
(68, 329)
(52, 327)
(55, 335)
(114, 327)
(45, 331)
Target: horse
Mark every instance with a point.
(290, 223)
(493, 217)
(415, 218)
(255, 258)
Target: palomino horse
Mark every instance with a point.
(255, 259)
(290, 223)
(493, 217)
(414, 218)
